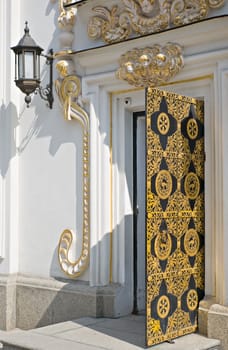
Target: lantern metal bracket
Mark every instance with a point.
(46, 93)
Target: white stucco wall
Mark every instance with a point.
(50, 153)
(43, 192)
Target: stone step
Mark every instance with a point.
(88, 333)
(44, 343)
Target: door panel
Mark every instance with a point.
(174, 214)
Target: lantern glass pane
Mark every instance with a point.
(37, 67)
(16, 67)
(21, 74)
(29, 65)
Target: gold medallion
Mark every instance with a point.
(163, 306)
(192, 129)
(191, 242)
(163, 184)
(163, 123)
(163, 245)
(192, 186)
(192, 300)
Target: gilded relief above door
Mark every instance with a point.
(175, 214)
(143, 17)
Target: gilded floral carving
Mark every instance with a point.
(151, 66)
(142, 17)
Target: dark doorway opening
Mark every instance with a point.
(139, 211)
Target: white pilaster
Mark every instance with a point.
(94, 220)
(99, 188)
(118, 191)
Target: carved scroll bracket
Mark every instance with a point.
(151, 66)
(68, 88)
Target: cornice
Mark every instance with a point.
(197, 38)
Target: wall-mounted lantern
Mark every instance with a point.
(27, 68)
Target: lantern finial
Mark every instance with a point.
(26, 28)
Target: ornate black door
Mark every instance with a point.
(175, 214)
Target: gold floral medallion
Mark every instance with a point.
(192, 129)
(163, 306)
(192, 300)
(192, 186)
(163, 123)
(163, 245)
(191, 242)
(163, 184)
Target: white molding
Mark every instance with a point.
(221, 173)
(3, 30)
(9, 25)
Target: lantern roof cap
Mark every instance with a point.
(27, 41)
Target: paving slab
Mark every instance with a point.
(110, 340)
(68, 326)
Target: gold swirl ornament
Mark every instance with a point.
(72, 268)
(68, 90)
